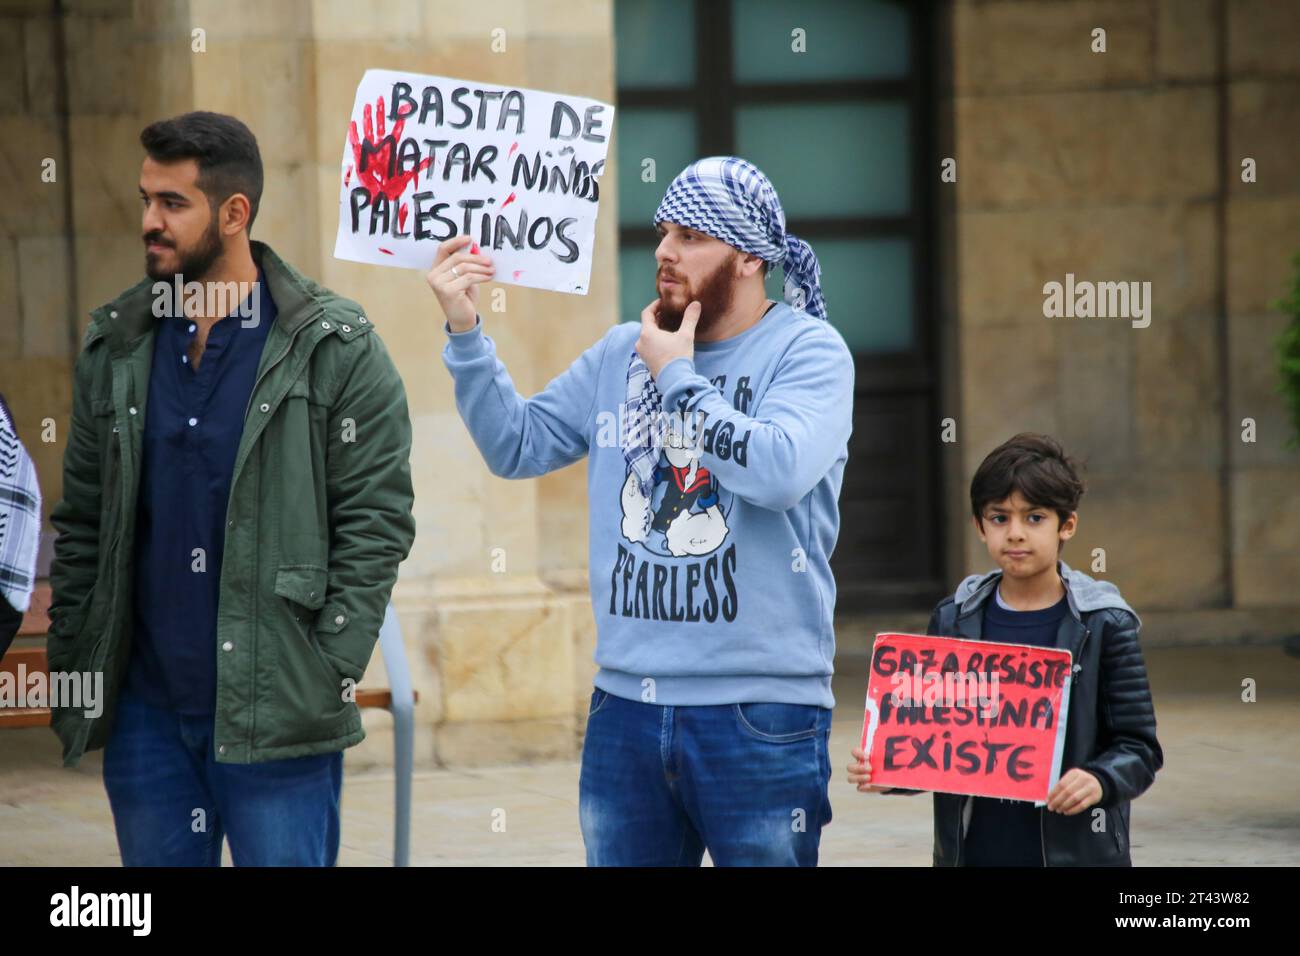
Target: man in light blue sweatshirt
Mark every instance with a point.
(716, 434)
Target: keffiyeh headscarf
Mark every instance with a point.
(20, 516)
(730, 199)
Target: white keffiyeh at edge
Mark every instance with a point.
(20, 517)
(730, 199)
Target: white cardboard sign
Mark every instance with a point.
(426, 158)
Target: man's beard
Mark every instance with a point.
(715, 294)
(193, 264)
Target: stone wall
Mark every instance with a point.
(37, 328)
(80, 90)
(1124, 166)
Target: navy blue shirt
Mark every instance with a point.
(193, 423)
(1006, 832)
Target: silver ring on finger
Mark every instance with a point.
(454, 272)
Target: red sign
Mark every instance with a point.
(962, 716)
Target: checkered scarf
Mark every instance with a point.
(20, 516)
(729, 199)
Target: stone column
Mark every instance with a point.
(492, 600)
(1263, 113)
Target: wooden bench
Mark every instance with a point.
(28, 650)
(33, 660)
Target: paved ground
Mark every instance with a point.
(1227, 795)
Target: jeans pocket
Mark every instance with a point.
(598, 698)
(779, 723)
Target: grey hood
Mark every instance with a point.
(1084, 593)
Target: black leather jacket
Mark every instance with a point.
(1110, 729)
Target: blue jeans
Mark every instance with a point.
(173, 803)
(747, 782)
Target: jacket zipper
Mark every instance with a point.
(1087, 633)
(961, 836)
(124, 436)
(1042, 834)
(115, 457)
(961, 807)
(93, 665)
(256, 384)
(261, 377)
(278, 359)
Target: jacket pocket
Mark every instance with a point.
(63, 648)
(302, 584)
(73, 620)
(308, 696)
(303, 587)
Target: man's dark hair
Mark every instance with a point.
(1034, 465)
(229, 161)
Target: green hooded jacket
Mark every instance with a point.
(318, 520)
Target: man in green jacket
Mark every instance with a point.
(236, 501)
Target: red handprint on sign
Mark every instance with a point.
(375, 158)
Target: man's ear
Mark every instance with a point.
(1069, 526)
(234, 214)
(749, 265)
(979, 526)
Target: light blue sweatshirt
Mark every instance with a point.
(729, 598)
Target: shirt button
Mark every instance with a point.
(362, 319)
(221, 749)
(227, 646)
(132, 409)
(339, 619)
(230, 524)
(192, 326)
(112, 315)
(347, 328)
(185, 359)
(324, 325)
(193, 422)
(266, 407)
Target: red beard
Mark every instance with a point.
(714, 293)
